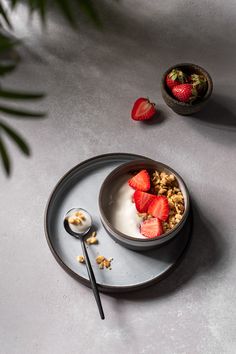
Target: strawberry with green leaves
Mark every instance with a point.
(199, 82)
(185, 93)
(176, 77)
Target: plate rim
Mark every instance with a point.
(76, 276)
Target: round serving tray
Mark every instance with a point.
(130, 270)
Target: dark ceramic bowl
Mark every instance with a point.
(182, 107)
(108, 198)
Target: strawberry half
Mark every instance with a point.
(143, 200)
(143, 109)
(141, 181)
(175, 77)
(185, 93)
(151, 228)
(159, 208)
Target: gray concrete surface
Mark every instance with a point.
(92, 79)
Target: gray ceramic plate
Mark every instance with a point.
(130, 270)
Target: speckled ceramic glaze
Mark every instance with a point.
(182, 107)
(109, 185)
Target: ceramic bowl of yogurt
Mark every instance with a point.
(118, 211)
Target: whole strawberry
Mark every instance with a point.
(199, 82)
(176, 77)
(185, 93)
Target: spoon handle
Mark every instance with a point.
(92, 280)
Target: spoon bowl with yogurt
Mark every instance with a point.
(78, 222)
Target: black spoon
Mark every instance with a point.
(79, 233)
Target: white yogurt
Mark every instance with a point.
(84, 225)
(123, 213)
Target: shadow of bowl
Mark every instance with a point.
(219, 112)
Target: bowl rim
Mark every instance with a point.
(185, 104)
(136, 239)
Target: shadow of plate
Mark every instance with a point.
(205, 254)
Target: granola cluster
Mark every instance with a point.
(167, 185)
(104, 262)
(77, 218)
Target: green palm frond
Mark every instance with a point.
(67, 11)
(5, 129)
(89, 10)
(65, 6)
(3, 14)
(42, 10)
(6, 68)
(16, 137)
(21, 112)
(5, 156)
(7, 44)
(12, 94)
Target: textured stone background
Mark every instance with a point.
(92, 79)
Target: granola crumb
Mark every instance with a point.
(80, 259)
(100, 259)
(92, 240)
(162, 190)
(142, 215)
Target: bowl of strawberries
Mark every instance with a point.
(143, 204)
(186, 88)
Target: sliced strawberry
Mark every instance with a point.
(141, 181)
(143, 200)
(143, 109)
(159, 208)
(151, 228)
